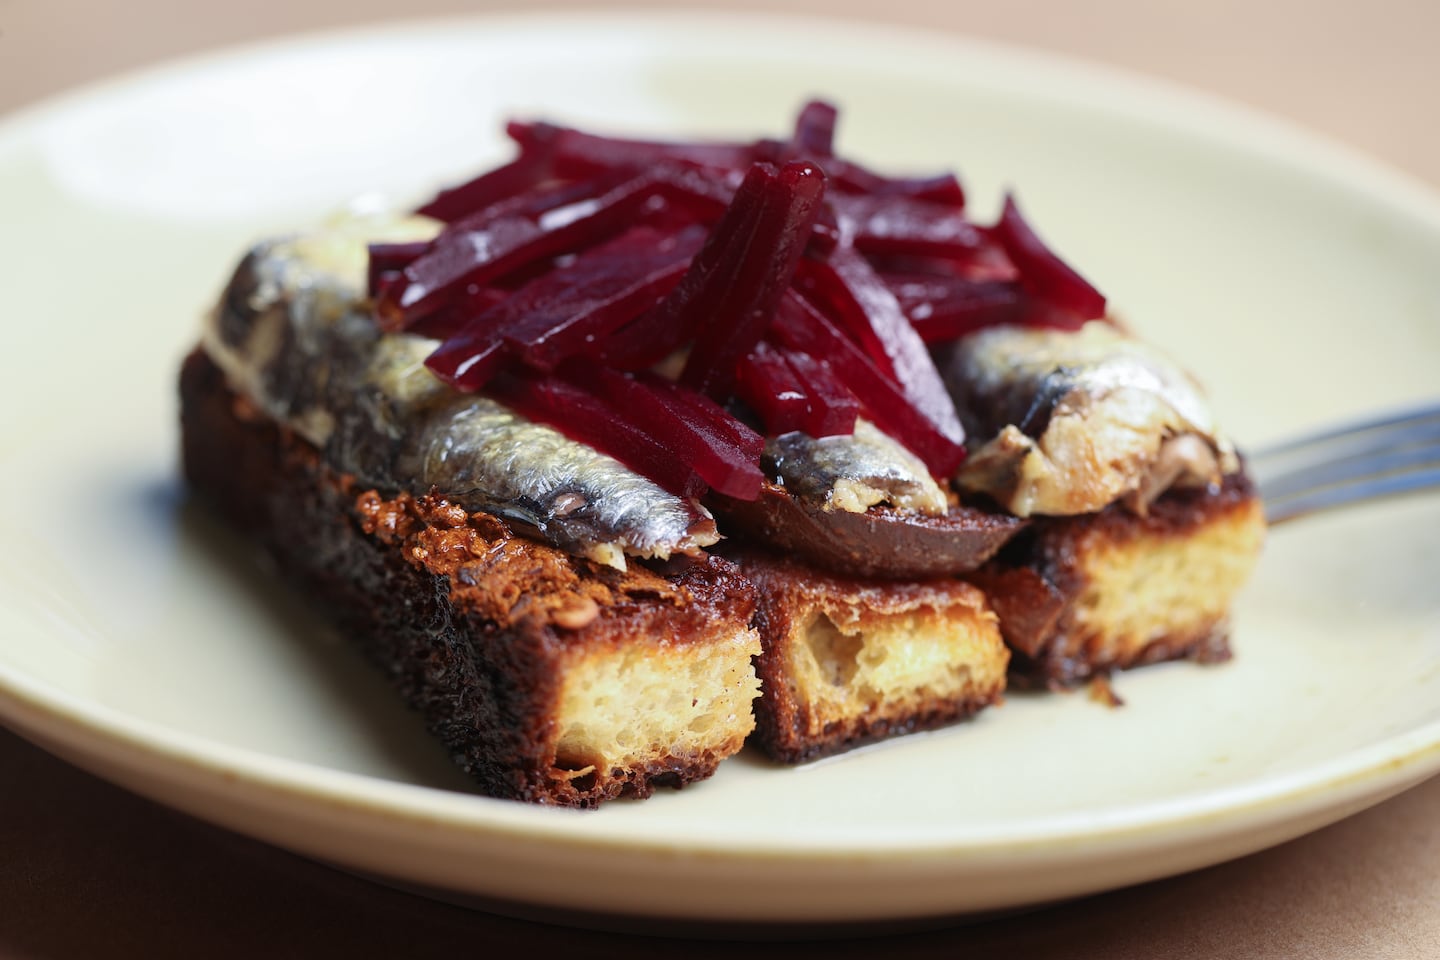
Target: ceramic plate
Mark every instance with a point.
(143, 643)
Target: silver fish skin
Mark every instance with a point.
(1068, 422)
(853, 472)
(293, 334)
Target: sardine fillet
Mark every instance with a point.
(548, 677)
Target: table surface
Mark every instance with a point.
(89, 870)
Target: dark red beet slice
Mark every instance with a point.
(815, 130)
(880, 225)
(522, 174)
(857, 295)
(733, 303)
(830, 406)
(574, 153)
(558, 312)
(851, 178)
(469, 359)
(726, 271)
(660, 332)
(485, 246)
(584, 417)
(799, 326)
(770, 387)
(990, 264)
(1042, 273)
(562, 312)
(721, 420)
(824, 288)
(944, 308)
(691, 434)
(387, 260)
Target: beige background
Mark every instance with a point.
(87, 870)
(1364, 71)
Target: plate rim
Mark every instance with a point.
(1395, 762)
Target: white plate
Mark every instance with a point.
(139, 641)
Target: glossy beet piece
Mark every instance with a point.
(944, 308)
(693, 434)
(759, 250)
(1042, 273)
(520, 175)
(509, 236)
(720, 419)
(559, 312)
(879, 225)
(574, 153)
(745, 263)
(856, 296)
(815, 130)
(584, 417)
(485, 245)
(769, 386)
(659, 332)
(831, 407)
(847, 177)
(387, 260)
(800, 327)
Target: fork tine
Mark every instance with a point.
(1361, 436)
(1352, 468)
(1389, 455)
(1367, 488)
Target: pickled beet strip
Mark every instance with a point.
(769, 386)
(1034, 312)
(562, 312)
(554, 315)
(909, 358)
(799, 326)
(661, 331)
(1042, 272)
(390, 258)
(582, 416)
(734, 301)
(574, 153)
(815, 130)
(849, 177)
(831, 408)
(522, 174)
(688, 432)
(470, 357)
(721, 420)
(944, 308)
(906, 226)
(827, 290)
(480, 255)
(674, 321)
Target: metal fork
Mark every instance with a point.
(1367, 460)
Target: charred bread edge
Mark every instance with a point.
(1036, 579)
(786, 727)
(486, 688)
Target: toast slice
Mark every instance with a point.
(549, 678)
(847, 661)
(1086, 595)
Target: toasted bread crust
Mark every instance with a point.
(825, 643)
(1080, 596)
(482, 632)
